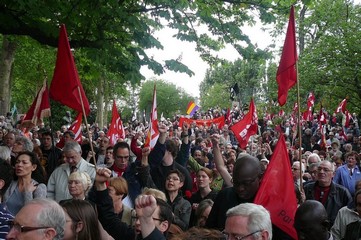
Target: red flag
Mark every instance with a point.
(153, 133)
(76, 128)
(342, 106)
(286, 73)
(116, 129)
(65, 85)
(247, 127)
(307, 115)
(311, 100)
(281, 113)
(228, 116)
(39, 109)
(322, 116)
(348, 118)
(277, 191)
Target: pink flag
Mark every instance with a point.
(342, 106)
(116, 129)
(39, 109)
(153, 133)
(76, 128)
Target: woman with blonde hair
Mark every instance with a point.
(79, 184)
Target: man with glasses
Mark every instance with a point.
(38, 219)
(153, 216)
(248, 220)
(247, 174)
(58, 181)
(136, 173)
(296, 172)
(332, 195)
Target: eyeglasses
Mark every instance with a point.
(326, 170)
(245, 183)
(172, 178)
(19, 228)
(229, 236)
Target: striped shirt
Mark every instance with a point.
(5, 216)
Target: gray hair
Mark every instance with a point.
(313, 155)
(72, 146)
(84, 178)
(27, 143)
(203, 205)
(51, 215)
(5, 153)
(258, 217)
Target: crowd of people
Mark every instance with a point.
(196, 183)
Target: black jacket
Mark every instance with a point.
(338, 197)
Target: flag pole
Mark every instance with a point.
(50, 117)
(299, 127)
(87, 128)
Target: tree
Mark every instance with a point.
(248, 74)
(170, 99)
(330, 63)
(112, 36)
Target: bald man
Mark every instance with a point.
(311, 221)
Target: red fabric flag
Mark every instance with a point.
(342, 106)
(311, 100)
(277, 191)
(153, 133)
(219, 122)
(307, 115)
(286, 73)
(281, 113)
(348, 118)
(247, 127)
(228, 116)
(116, 129)
(76, 128)
(39, 109)
(65, 83)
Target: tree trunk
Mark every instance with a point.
(301, 32)
(6, 62)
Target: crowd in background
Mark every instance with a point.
(187, 173)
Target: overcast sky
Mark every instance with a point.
(173, 48)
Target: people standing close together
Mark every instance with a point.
(194, 183)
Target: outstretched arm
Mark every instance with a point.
(218, 160)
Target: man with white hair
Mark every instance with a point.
(332, 195)
(296, 172)
(38, 219)
(58, 181)
(247, 220)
